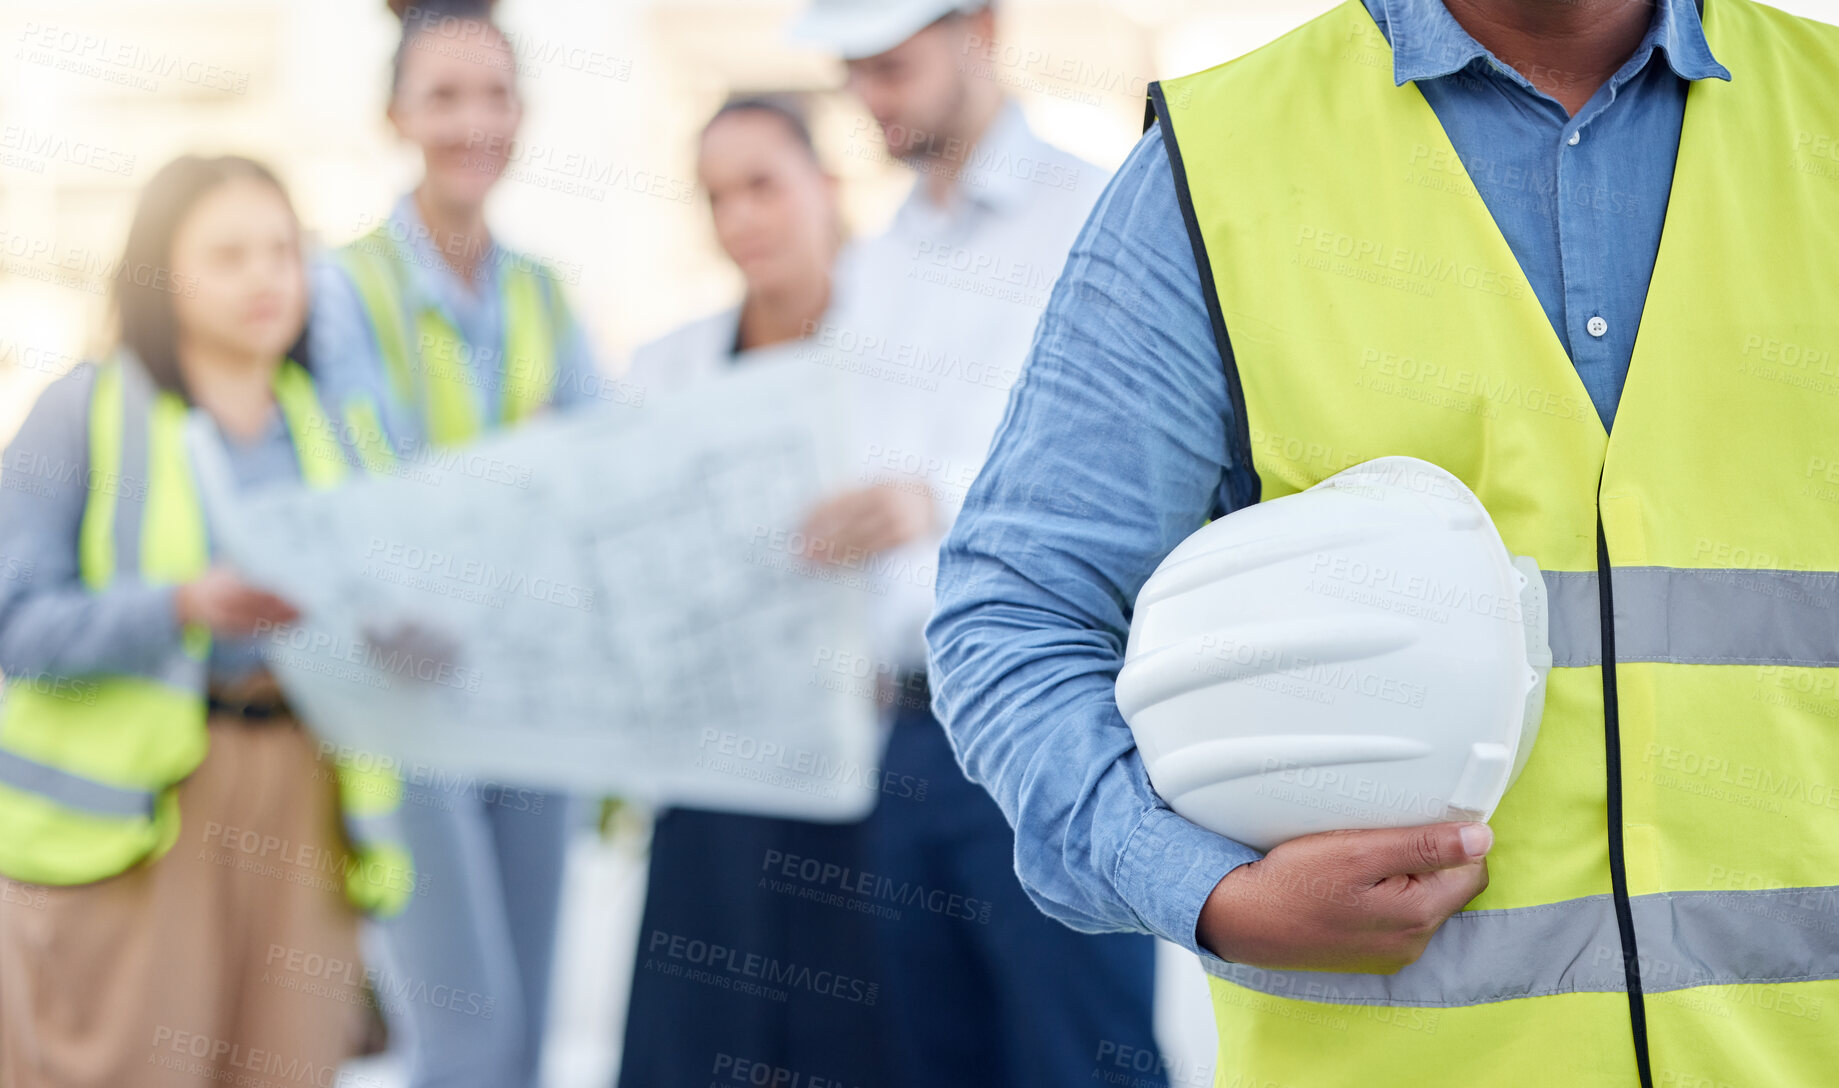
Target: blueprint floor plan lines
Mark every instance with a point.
(604, 601)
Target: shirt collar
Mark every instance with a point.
(1428, 42)
(996, 171)
(429, 266)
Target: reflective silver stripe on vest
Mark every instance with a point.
(179, 671)
(131, 485)
(372, 828)
(174, 670)
(73, 791)
(1694, 616)
(1701, 938)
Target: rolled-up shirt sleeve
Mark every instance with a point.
(51, 624)
(1112, 450)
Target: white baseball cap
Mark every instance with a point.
(854, 29)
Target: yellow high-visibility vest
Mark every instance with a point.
(434, 377)
(1663, 904)
(89, 767)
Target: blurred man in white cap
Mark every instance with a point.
(978, 987)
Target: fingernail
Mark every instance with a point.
(1476, 839)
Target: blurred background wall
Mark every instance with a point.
(96, 94)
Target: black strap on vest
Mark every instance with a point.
(1612, 768)
(1240, 439)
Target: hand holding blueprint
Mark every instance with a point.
(611, 600)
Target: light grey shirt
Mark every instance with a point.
(935, 322)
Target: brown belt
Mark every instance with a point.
(258, 700)
(254, 713)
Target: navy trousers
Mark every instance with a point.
(1006, 997)
(743, 972)
(929, 966)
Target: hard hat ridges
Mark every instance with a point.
(1254, 650)
(1365, 653)
(1228, 559)
(1199, 766)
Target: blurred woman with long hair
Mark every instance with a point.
(179, 902)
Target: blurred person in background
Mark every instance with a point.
(776, 216)
(453, 335)
(953, 290)
(170, 841)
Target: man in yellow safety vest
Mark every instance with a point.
(1483, 233)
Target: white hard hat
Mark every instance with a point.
(853, 29)
(1362, 654)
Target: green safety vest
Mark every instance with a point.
(1662, 905)
(89, 767)
(435, 377)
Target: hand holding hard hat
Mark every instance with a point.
(1363, 654)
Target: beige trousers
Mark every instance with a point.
(230, 961)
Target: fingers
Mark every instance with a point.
(245, 611)
(1447, 891)
(876, 532)
(1320, 902)
(821, 522)
(1392, 851)
(272, 603)
(276, 610)
(258, 606)
(857, 522)
(830, 524)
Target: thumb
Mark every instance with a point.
(1399, 850)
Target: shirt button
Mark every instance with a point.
(1575, 137)
(1597, 327)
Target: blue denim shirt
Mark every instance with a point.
(1113, 449)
